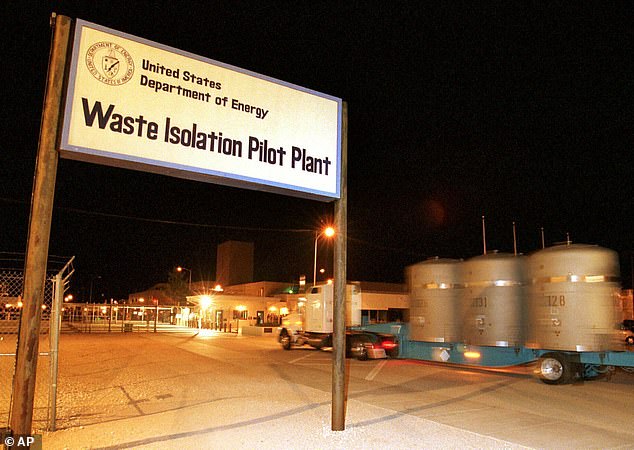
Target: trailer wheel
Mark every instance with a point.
(554, 368)
(629, 340)
(285, 340)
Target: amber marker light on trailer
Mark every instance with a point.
(472, 355)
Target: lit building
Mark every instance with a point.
(234, 300)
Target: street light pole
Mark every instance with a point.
(328, 232)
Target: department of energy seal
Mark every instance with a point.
(109, 63)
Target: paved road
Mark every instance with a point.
(511, 405)
(146, 390)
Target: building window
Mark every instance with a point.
(240, 314)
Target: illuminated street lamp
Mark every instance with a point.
(180, 269)
(328, 232)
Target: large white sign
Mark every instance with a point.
(137, 104)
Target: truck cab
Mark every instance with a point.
(312, 322)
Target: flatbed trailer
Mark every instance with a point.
(554, 366)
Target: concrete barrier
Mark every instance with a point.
(257, 331)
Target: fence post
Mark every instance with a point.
(54, 329)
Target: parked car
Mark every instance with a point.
(389, 342)
(368, 345)
(363, 345)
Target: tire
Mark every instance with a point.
(629, 340)
(554, 368)
(285, 340)
(363, 356)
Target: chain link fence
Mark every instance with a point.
(11, 291)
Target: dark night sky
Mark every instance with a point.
(519, 111)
